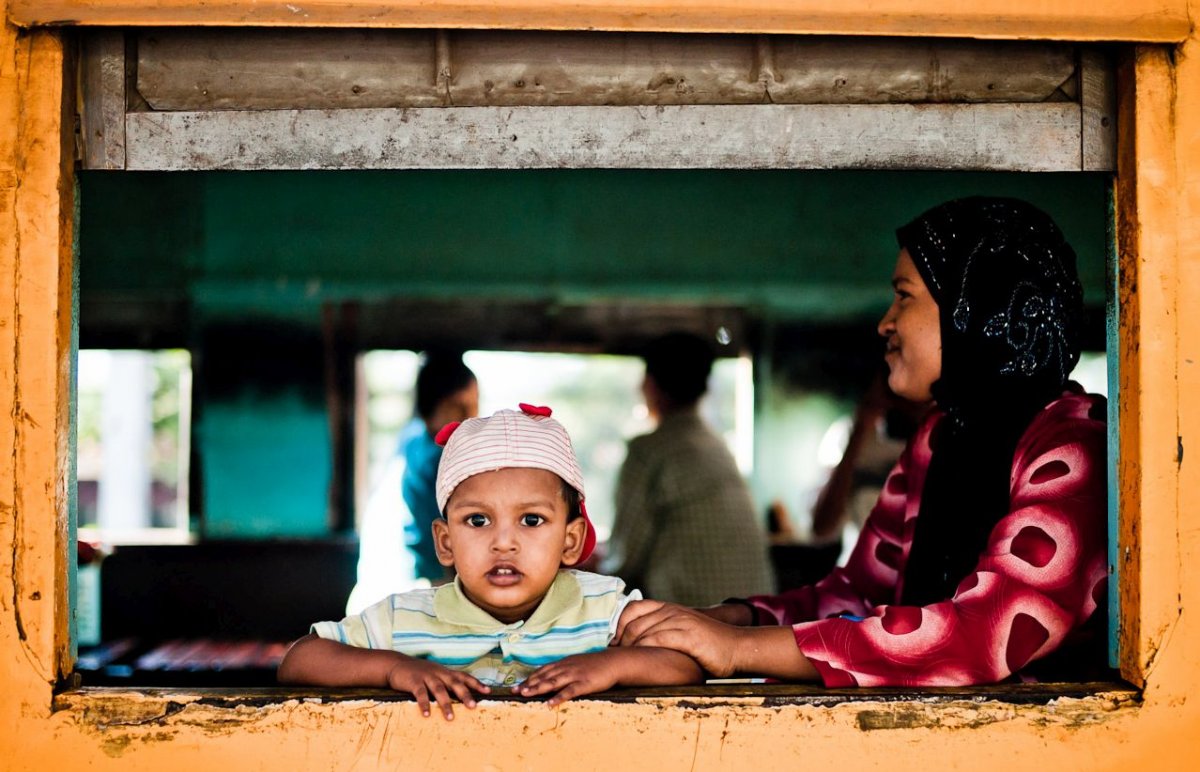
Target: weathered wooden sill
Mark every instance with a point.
(1106, 696)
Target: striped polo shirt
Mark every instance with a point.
(578, 615)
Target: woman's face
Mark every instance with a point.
(913, 333)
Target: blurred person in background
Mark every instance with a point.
(446, 391)
(686, 529)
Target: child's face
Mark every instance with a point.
(506, 534)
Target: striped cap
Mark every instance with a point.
(527, 438)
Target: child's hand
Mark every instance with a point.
(423, 679)
(575, 676)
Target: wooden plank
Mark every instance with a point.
(1041, 137)
(103, 87)
(297, 69)
(1148, 228)
(36, 347)
(1099, 111)
(305, 69)
(1155, 21)
(522, 68)
(829, 70)
(1116, 693)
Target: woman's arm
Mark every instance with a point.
(319, 662)
(872, 572)
(720, 648)
(595, 672)
(1041, 576)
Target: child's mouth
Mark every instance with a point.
(504, 575)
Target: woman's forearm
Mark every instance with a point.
(772, 651)
(320, 662)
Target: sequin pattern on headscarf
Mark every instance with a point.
(1010, 304)
(1004, 278)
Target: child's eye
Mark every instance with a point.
(532, 521)
(477, 520)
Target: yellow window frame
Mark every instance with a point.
(1157, 223)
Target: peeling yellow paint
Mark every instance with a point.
(1145, 20)
(1158, 226)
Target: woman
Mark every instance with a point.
(986, 549)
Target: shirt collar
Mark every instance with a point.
(452, 606)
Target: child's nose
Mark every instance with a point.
(504, 539)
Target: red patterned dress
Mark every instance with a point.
(1041, 576)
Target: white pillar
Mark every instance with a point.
(124, 495)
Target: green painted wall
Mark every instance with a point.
(281, 242)
(266, 467)
(196, 250)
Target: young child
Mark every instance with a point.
(513, 521)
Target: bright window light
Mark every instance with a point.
(134, 429)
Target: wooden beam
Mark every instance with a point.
(1036, 137)
(36, 347)
(276, 69)
(103, 86)
(1160, 21)
(1098, 100)
(314, 69)
(1148, 196)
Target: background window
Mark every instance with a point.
(134, 428)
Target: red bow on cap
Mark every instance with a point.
(528, 409)
(443, 435)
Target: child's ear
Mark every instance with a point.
(441, 542)
(573, 544)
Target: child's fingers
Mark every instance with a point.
(422, 697)
(438, 691)
(474, 684)
(572, 689)
(539, 683)
(548, 678)
(463, 692)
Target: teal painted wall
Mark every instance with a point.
(266, 467)
(282, 242)
(195, 250)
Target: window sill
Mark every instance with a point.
(1101, 696)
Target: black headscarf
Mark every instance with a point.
(1010, 307)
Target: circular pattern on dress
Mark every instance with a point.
(901, 620)
(1034, 546)
(1052, 470)
(1025, 637)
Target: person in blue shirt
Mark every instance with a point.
(447, 391)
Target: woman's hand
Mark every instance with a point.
(694, 632)
(424, 679)
(721, 648)
(730, 613)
